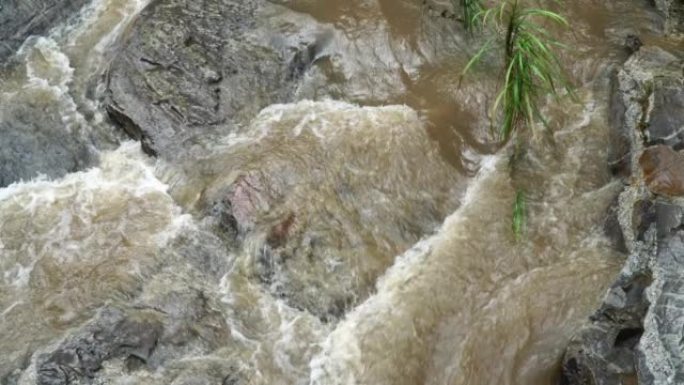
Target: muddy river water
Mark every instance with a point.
(400, 199)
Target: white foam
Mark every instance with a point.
(51, 70)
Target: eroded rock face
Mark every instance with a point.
(603, 353)
(634, 338)
(20, 19)
(190, 69)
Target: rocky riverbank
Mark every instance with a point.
(318, 201)
(635, 337)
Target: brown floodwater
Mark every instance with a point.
(397, 171)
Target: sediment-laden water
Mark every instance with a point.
(370, 237)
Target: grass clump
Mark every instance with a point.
(531, 70)
(471, 11)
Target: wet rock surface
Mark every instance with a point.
(635, 336)
(20, 19)
(188, 73)
(673, 10)
(145, 336)
(663, 170)
(37, 144)
(197, 69)
(312, 245)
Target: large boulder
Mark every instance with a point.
(194, 69)
(20, 19)
(324, 196)
(188, 73)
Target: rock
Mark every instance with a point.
(113, 334)
(20, 19)
(668, 217)
(33, 144)
(633, 43)
(660, 360)
(190, 70)
(666, 123)
(635, 337)
(649, 91)
(187, 75)
(321, 213)
(663, 170)
(165, 324)
(191, 322)
(603, 353)
(673, 10)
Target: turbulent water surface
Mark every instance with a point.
(404, 269)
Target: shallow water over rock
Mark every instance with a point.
(328, 204)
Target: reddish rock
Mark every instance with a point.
(663, 170)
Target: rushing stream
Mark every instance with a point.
(404, 269)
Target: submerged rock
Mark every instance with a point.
(325, 198)
(20, 19)
(158, 329)
(41, 130)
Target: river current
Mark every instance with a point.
(409, 200)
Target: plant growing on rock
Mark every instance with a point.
(531, 68)
(531, 71)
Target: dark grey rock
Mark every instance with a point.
(113, 334)
(633, 43)
(612, 229)
(195, 69)
(660, 352)
(33, 143)
(20, 19)
(668, 218)
(164, 324)
(651, 91)
(636, 335)
(603, 353)
(666, 124)
(186, 74)
(620, 155)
